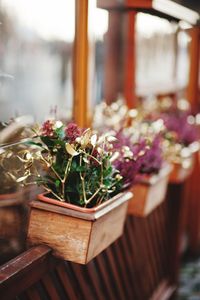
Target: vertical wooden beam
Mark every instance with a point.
(112, 57)
(192, 185)
(81, 107)
(129, 60)
(193, 87)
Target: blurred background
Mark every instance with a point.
(52, 65)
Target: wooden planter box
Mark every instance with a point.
(181, 171)
(12, 238)
(74, 233)
(149, 193)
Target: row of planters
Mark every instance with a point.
(91, 179)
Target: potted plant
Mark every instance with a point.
(82, 210)
(181, 138)
(143, 169)
(180, 135)
(141, 158)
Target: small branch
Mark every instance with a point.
(89, 155)
(50, 191)
(83, 183)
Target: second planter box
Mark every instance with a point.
(149, 193)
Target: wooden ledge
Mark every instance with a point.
(23, 271)
(103, 209)
(153, 179)
(164, 8)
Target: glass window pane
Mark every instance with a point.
(36, 39)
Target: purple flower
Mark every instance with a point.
(127, 166)
(72, 131)
(151, 161)
(178, 123)
(47, 128)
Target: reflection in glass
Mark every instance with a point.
(97, 27)
(36, 40)
(155, 53)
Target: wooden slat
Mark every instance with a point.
(20, 273)
(134, 267)
(64, 278)
(50, 287)
(115, 273)
(164, 291)
(33, 294)
(123, 267)
(83, 283)
(105, 277)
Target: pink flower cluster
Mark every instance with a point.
(48, 128)
(72, 131)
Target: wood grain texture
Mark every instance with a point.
(106, 230)
(76, 239)
(181, 171)
(81, 106)
(146, 197)
(67, 236)
(21, 272)
(90, 214)
(135, 267)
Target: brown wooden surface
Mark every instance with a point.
(164, 7)
(13, 222)
(192, 195)
(113, 64)
(177, 212)
(90, 214)
(73, 238)
(129, 59)
(147, 197)
(180, 172)
(194, 77)
(106, 230)
(20, 273)
(136, 266)
(81, 108)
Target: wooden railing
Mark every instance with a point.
(137, 266)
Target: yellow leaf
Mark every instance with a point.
(93, 140)
(70, 150)
(22, 178)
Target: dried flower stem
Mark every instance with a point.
(52, 192)
(67, 169)
(51, 167)
(100, 187)
(83, 183)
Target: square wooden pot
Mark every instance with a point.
(77, 234)
(181, 171)
(149, 193)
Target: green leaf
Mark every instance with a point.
(34, 144)
(57, 183)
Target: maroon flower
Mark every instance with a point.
(72, 131)
(47, 128)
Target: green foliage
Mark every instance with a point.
(73, 166)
